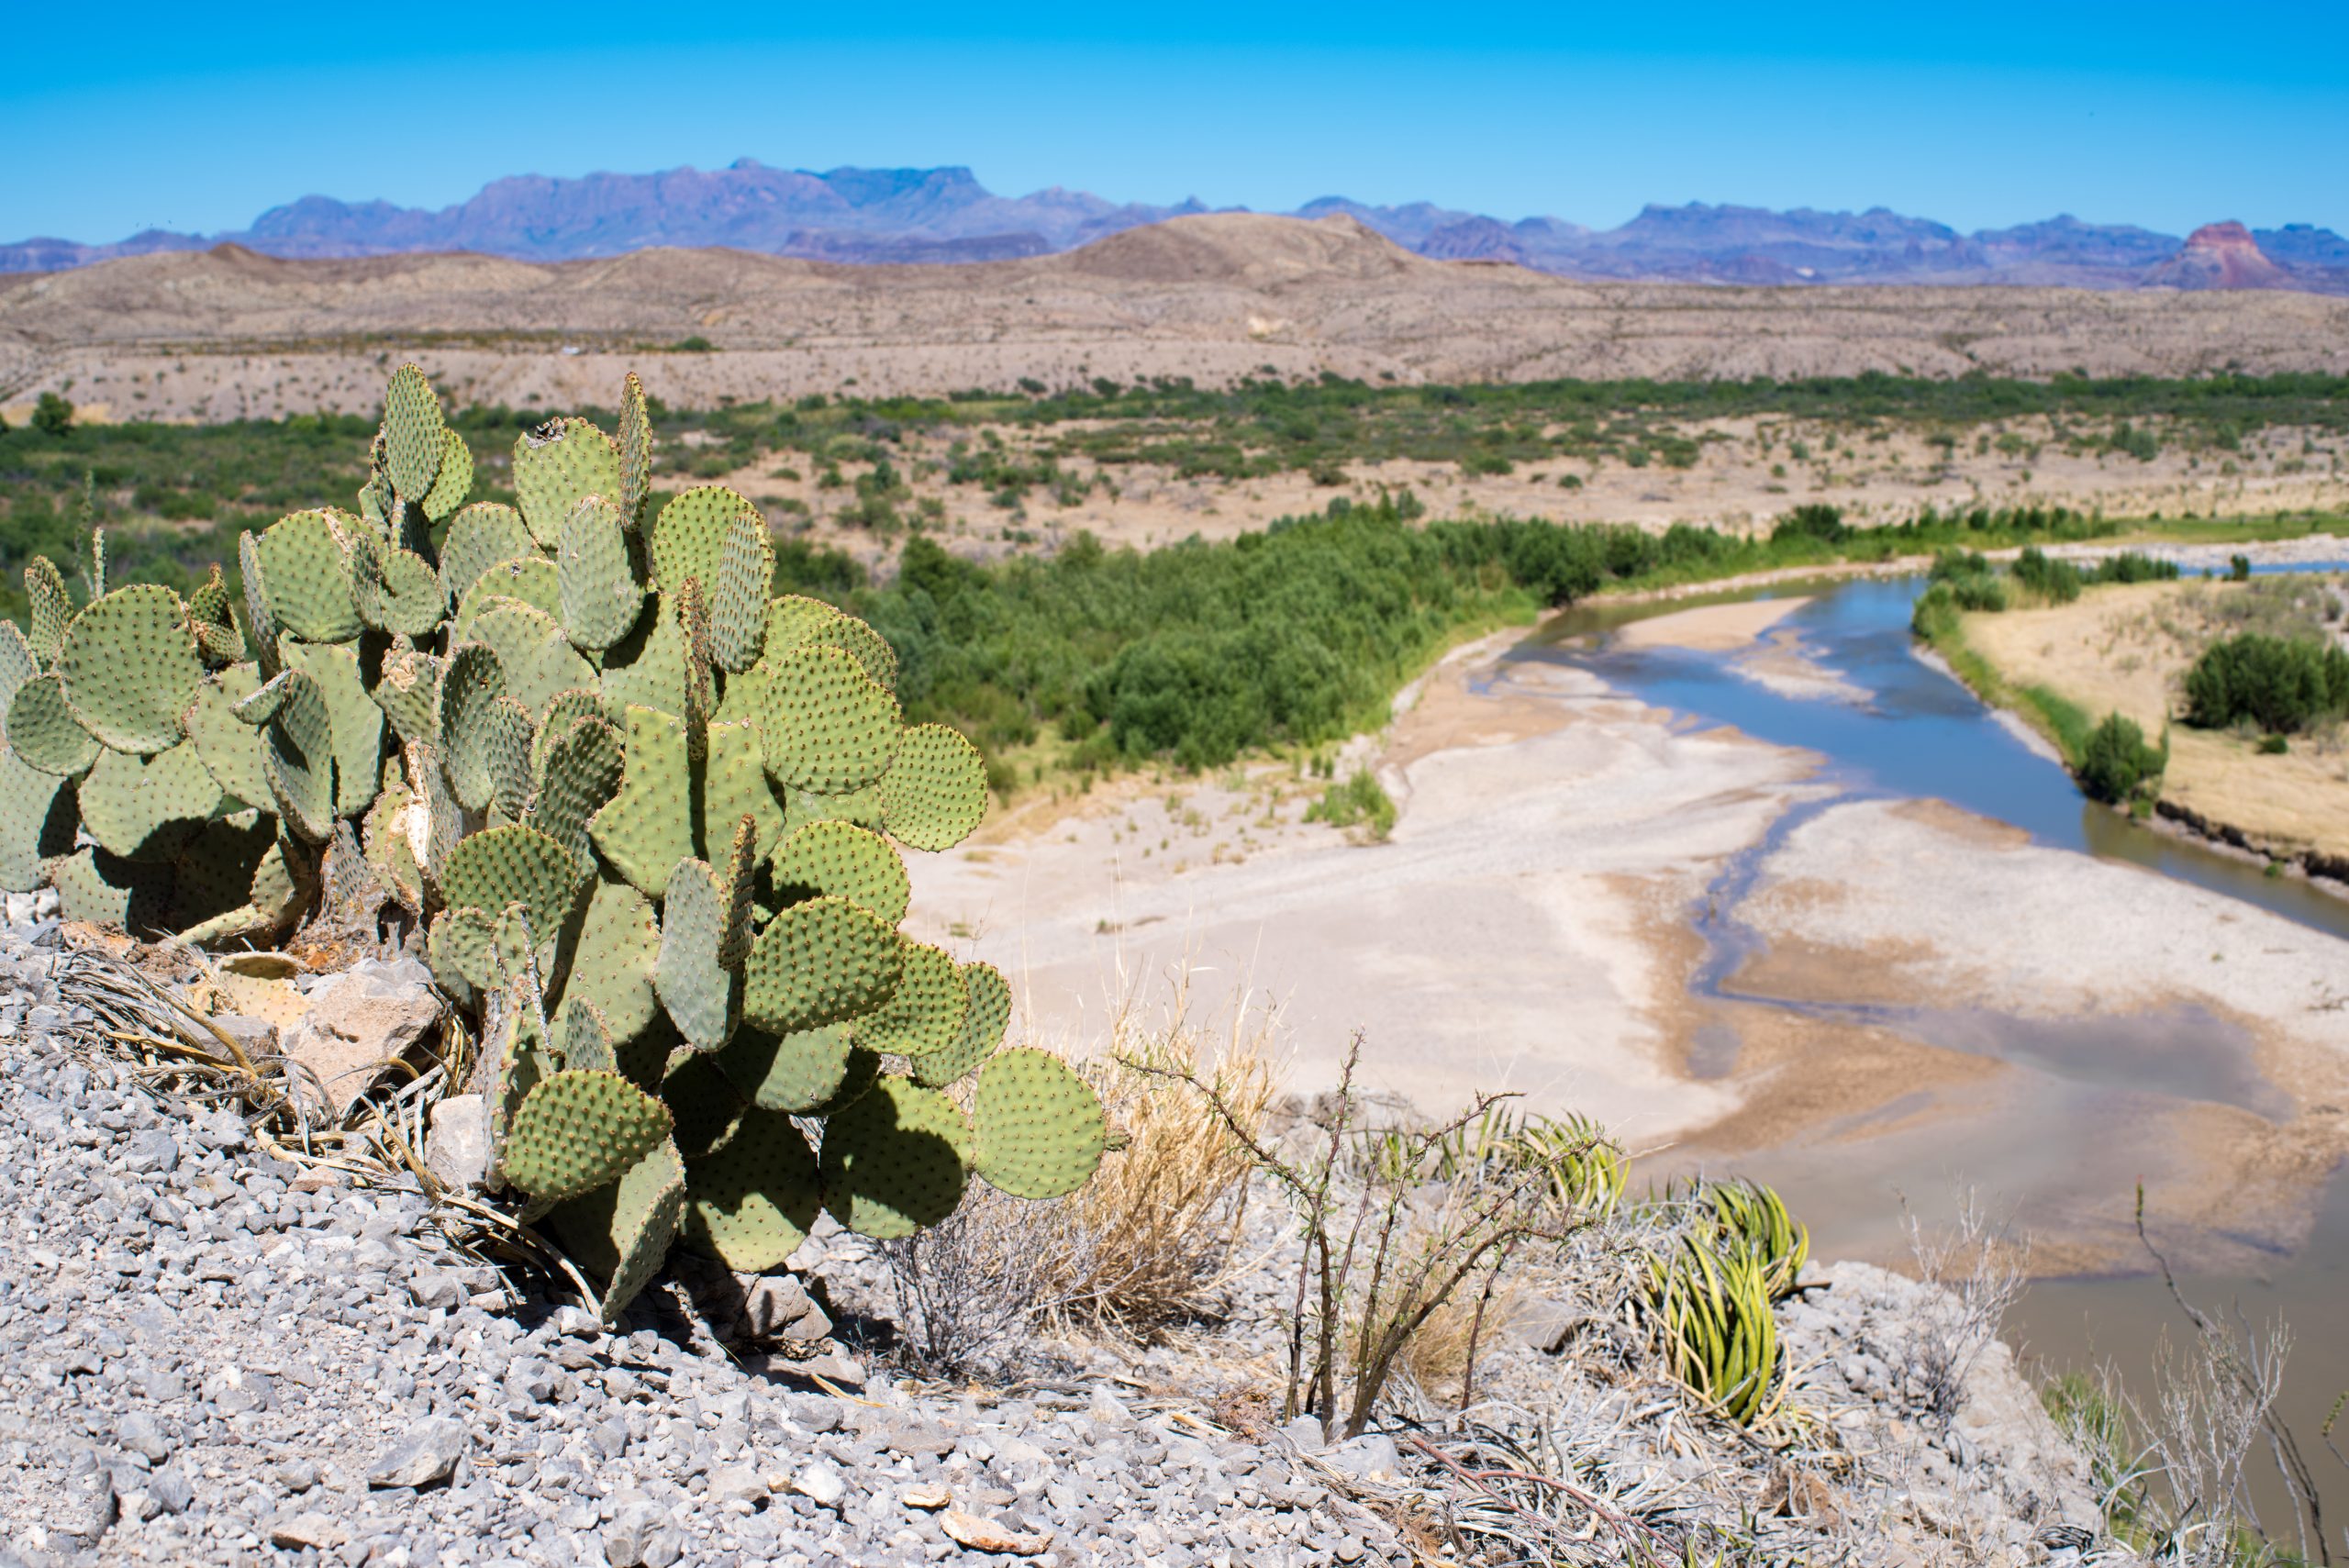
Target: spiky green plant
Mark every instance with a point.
(642, 814)
(1747, 1215)
(1711, 1306)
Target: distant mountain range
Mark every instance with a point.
(946, 216)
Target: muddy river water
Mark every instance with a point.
(1887, 725)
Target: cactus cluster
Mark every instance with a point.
(639, 813)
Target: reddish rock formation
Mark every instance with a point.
(2219, 256)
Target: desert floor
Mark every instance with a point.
(1966, 1007)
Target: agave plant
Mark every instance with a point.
(644, 818)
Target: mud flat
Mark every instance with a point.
(1934, 997)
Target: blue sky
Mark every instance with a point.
(2161, 113)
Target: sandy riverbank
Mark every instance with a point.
(1528, 926)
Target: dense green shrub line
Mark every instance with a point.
(2280, 684)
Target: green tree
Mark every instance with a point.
(2117, 764)
(52, 415)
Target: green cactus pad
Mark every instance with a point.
(828, 728)
(298, 761)
(147, 808)
(581, 774)
(612, 962)
(51, 608)
(396, 590)
(1038, 1127)
(375, 503)
(623, 1231)
(704, 998)
(596, 588)
(305, 561)
(128, 665)
(636, 453)
(586, 1043)
(647, 828)
(470, 687)
(414, 437)
(936, 789)
(258, 615)
(274, 892)
(213, 875)
(44, 732)
(480, 537)
(648, 667)
(556, 466)
(539, 663)
(444, 818)
(860, 808)
(354, 721)
(820, 963)
(868, 647)
(390, 853)
(101, 889)
(408, 691)
(925, 1014)
(794, 1073)
(793, 621)
(455, 480)
(511, 734)
(16, 665)
(512, 865)
(708, 1106)
(531, 580)
(232, 751)
(37, 822)
(987, 1011)
(690, 535)
(578, 1130)
(734, 785)
(738, 600)
(841, 858)
(213, 621)
(895, 1160)
(752, 1203)
(458, 949)
(567, 709)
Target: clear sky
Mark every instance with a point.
(2167, 114)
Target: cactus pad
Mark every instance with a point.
(623, 1231)
(567, 709)
(578, 1130)
(531, 580)
(925, 1014)
(936, 788)
(298, 760)
(213, 875)
(512, 865)
(129, 667)
(1038, 1127)
(868, 647)
(44, 732)
(106, 890)
(792, 620)
(708, 1106)
(596, 590)
(690, 535)
(702, 996)
(647, 668)
(841, 858)
(612, 962)
(752, 1203)
(556, 466)
(585, 1045)
(51, 607)
(470, 686)
(986, 1011)
(793, 1072)
(414, 437)
(647, 828)
(734, 785)
(539, 663)
(818, 964)
(828, 728)
(408, 691)
(511, 735)
(581, 774)
(455, 480)
(396, 590)
(355, 723)
(636, 453)
(895, 1160)
(738, 600)
(305, 565)
(479, 537)
(146, 808)
(257, 614)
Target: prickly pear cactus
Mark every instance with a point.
(641, 814)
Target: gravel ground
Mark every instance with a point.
(208, 1355)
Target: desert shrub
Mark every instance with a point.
(2116, 765)
(1814, 520)
(2058, 582)
(2133, 566)
(52, 415)
(1360, 801)
(2282, 685)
